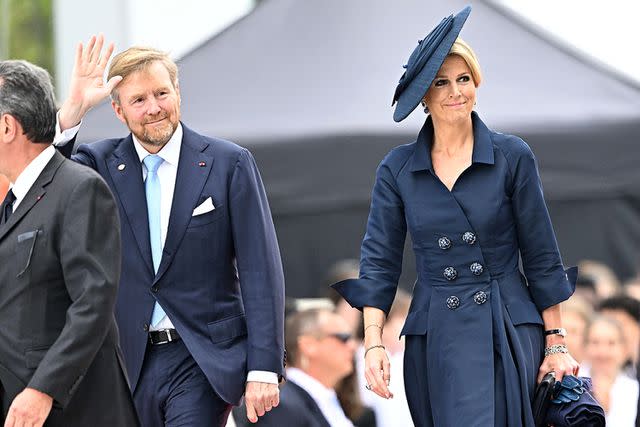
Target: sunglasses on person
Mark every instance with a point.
(343, 337)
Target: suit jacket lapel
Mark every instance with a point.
(126, 172)
(194, 167)
(35, 193)
(311, 404)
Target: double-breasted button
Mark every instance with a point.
(154, 289)
(145, 327)
(453, 302)
(476, 268)
(469, 238)
(444, 242)
(480, 297)
(450, 273)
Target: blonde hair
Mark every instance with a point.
(463, 50)
(139, 58)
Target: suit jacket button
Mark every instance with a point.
(476, 268)
(480, 297)
(444, 243)
(450, 273)
(453, 302)
(154, 289)
(469, 238)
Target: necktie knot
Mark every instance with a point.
(9, 198)
(152, 162)
(7, 207)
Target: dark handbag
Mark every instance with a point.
(542, 399)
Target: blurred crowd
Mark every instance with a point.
(325, 354)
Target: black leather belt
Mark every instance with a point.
(163, 336)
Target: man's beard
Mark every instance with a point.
(157, 137)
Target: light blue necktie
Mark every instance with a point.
(152, 189)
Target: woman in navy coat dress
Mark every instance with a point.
(472, 202)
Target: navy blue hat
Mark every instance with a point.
(424, 63)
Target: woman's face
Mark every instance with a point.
(605, 348)
(453, 92)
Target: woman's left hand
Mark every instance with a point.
(561, 364)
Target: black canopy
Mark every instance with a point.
(307, 87)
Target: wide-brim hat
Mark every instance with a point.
(424, 63)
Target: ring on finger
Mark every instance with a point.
(368, 386)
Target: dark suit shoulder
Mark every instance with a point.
(398, 157)
(296, 408)
(217, 146)
(101, 148)
(512, 147)
(78, 172)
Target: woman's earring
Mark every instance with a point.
(426, 109)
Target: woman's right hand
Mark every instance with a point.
(378, 371)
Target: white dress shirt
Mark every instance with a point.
(623, 399)
(325, 398)
(167, 172)
(28, 176)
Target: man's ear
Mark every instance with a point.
(307, 345)
(118, 110)
(9, 128)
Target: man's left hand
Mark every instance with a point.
(260, 398)
(29, 408)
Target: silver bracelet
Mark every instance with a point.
(555, 349)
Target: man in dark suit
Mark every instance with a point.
(60, 252)
(201, 301)
(320, 349)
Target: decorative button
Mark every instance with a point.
(476, 268)
(444, 243)
(154, 289)
(145, 327)
(453, 302)
(450, 273)
(480, 297)
(469, 238)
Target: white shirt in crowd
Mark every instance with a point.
(325, 398)
(623, 399)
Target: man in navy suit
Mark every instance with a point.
(201, 300)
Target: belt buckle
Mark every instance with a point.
(168, 334)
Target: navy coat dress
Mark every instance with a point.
(474, 333)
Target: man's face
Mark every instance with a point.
(333, 352)
(149, 105)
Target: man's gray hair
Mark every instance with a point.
(26, 93)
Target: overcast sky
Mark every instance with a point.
(608, 30)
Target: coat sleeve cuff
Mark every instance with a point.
(361, 293)
(556, 290)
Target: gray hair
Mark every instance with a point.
(26, 93)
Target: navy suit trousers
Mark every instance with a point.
(173, 391)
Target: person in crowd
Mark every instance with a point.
(351, 400)
(626, 311)
(60, 258)
(605, 281)
(586, 289)
(342, 270)
(472, 202)
(320, 349)
(201, 301)
(576, 315)
(616, 392)
(632, 288)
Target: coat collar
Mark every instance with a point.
(482, 145)
(35, 193)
